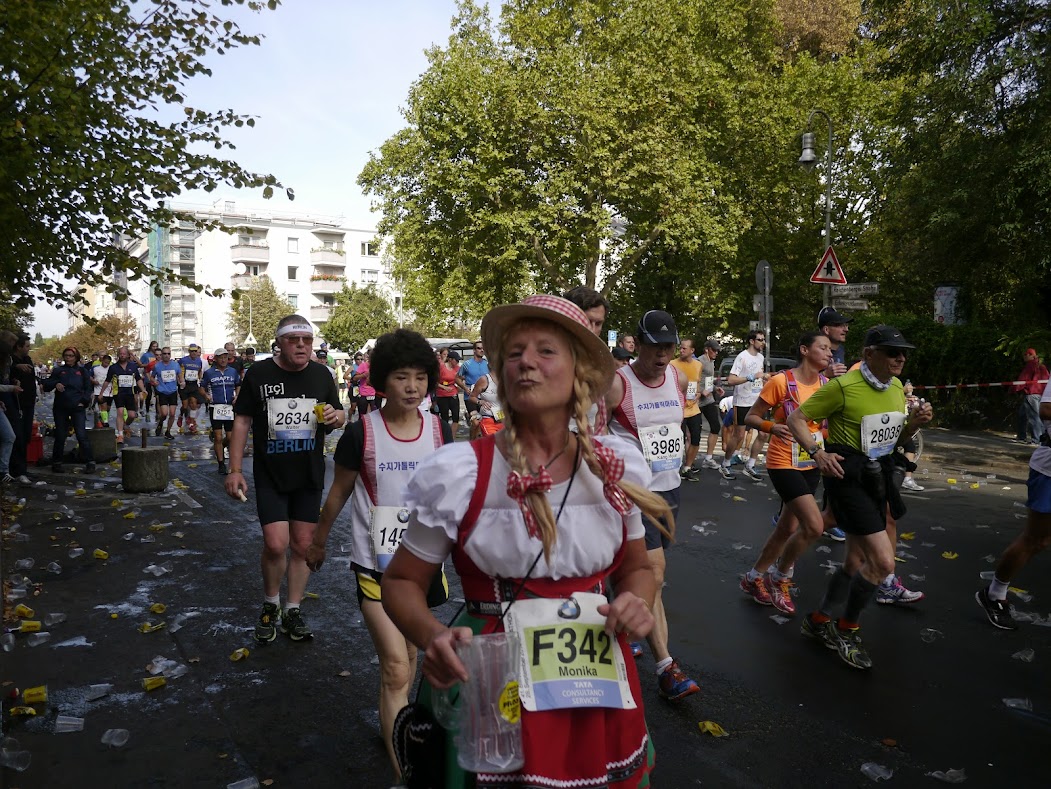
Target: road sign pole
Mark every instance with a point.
(767, 283)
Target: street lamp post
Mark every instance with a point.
(808, 159)
(250, 339)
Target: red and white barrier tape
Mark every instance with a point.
(976, 386)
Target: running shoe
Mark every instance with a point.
(896, 593)
(823, 632)
(781, 595)
(837, 534)
(293, 626)
(157, 430)
(752, 474)
(222, 468)
(636, 649)
(756, 589)
(996, 610)
(691, 474)
(850, 649)
(710, 463)
(89, 467)
(737, 460)
(168, 435)
(727, 474)
(266, 628)
(674, 684)
(24, 480)
(910, 484)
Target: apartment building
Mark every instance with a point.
(308, 258)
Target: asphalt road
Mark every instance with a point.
(305, 714)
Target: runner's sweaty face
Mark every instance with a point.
(654, 358)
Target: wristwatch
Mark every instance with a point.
(814, 450)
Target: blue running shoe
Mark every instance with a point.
(837, 534)
(674, 684)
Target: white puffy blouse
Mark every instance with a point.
(589, 533)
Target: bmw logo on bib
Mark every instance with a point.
(885, 419)
(291, 405)
(403, 516)
(570, 609)
(664, 430)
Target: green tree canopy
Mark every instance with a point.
(258, 314)
(105, 335)
(360, 314)
(86, 154)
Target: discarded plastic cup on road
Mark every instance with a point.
(877, 772)
(1025, 655)
(29, 626)
(95, 527)
(54, 619)
(239, 654)
(949, 776)
(158, 608)
(100, 554)
(24, 611)
(37, 639)
(7, 641)
(176, 671)
(149, 627)
(929, 635)
(244, 783)
(177, 623)
(54, 568)
(12, 756)
(96, 692)
(1019, 704)
(76, 553)
(152, 683)
(67, 723)
(37, 695)
(25, 564)
(116, 738)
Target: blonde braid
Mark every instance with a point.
(653, 506)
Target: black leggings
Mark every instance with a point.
(449, 409)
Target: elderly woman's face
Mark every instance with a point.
(538, 368)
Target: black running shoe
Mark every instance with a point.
(822, 632)
(266, 627)
(293, 626)
(752, 474)
(996, 610)
(222, 468)
(850, 648)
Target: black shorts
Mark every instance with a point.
(168, 399)
(740, 412)
(367, 403)
(368, 583)
(909, 446)
(220, 424)
(791, 483)
(298, 505)
(655, 538)
(127, 400)
(104, 402)
(693, 427)
(191, 391)
(711, 414)
(855, 511)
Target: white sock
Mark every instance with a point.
(998, 589)
(708, 457)
(663, 665)
(777, 575)
(752, 574)
(275, 600)
(751, 463)
(888, 581)
(291, 606)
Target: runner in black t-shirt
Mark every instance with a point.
(277, 400)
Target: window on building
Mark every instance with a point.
(186, 253)
(186, 236)
(253, 270)
(228, 206)
(370, 249)
(292, 271)
(332, 246)
(244, 240)
(293, 246)
(293, 300)
(369, 275)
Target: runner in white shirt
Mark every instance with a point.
(646, 403)
(748, 378)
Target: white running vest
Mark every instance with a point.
(386, 466)
(653, 414)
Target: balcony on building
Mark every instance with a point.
(254, 252)
(244, 281)
(331, 256)
(322, 282)
(320, 313)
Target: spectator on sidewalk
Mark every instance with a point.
(1033, 373)
(23, 371)
(73, 388)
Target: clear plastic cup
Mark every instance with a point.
(116, 738)
(96, 692)
(488, 733)
(67, 723)
(54, 619)
(37, 639)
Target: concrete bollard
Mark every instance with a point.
(144, 470)
(103, 444)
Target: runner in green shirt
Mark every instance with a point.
(867, 422)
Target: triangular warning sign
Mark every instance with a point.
(828, 271)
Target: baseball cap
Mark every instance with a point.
(657, 327)
(829, 317)
(621, 354)
(713, 343)
(887, 336)
(193, 347)
(321, 352)
(220, 352)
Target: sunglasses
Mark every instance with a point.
(893, 353)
